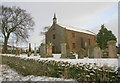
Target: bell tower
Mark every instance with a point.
(54, 19)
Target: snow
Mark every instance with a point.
(88, 76)
(57, 56)
(76, 29)
(8, 74)
(113, 62)
(44, 78)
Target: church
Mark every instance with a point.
(75, 38)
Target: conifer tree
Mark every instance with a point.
(104, 36)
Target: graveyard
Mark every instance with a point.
(58, 52)
(45, 65)
(57, 66)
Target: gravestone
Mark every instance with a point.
(97, 52)
(35, 54)
(119, 61)
(119, 64)
(63, 50)
(29, 50)
(20, 51)
(76, 55)
(112, 51)
(0, 48)
(49, 50)
(43, 50)
(81, 53)
(17, 52)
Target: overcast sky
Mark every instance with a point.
(85, 15)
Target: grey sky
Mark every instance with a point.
(85, 15)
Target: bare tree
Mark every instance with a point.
(15, 21)
(42, 33)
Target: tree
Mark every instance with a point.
(42, 33)
(17, 22)
(104, 36)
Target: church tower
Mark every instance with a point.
(54, 19)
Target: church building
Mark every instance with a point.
(75, 38)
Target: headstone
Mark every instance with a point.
(17, 52)
(29, 50)
(43, 50)
(35, 54)
(63, 50)
(0, 48)
(49, 50)
(119, 61)
(76, 55)
(97, 52)
(119, 64)
(112, 49)
(81, 53)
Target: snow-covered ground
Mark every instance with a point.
(8, 74)
(113, 62)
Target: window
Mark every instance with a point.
(73, 35)
(89, 41)
(82, 43)
(53, 49)
(54, 28)
(53, 36)
(94, 38)
(73, 45)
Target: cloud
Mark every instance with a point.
(87, 15)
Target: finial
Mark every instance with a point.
(54, 19)
(54, 15)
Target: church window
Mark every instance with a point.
(53, 49)
(73, 45)
(94, 38)
(89, 41)
(82, 43)
(73, 35)
(53, 36)
(54, 28)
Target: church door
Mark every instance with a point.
(53, 49)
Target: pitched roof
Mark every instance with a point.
(76, 29)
